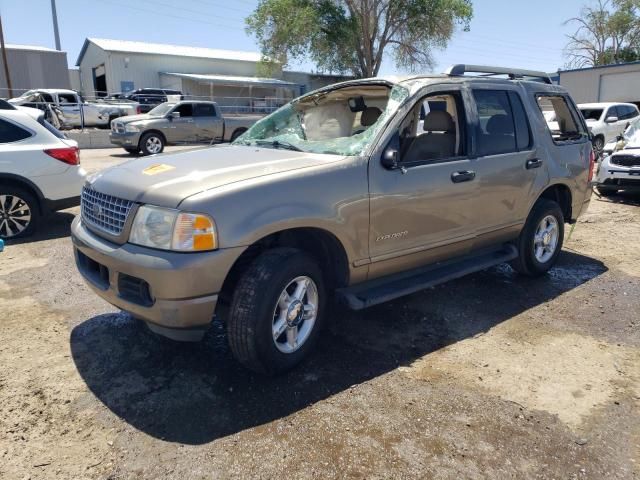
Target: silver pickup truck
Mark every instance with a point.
(345, 192)
(187, 121)
(74, 111)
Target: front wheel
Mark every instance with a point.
(541, 239)
(598, 146)
(277, 311)
(151, 144)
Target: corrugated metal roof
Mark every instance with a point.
(36, 48)
(232, 79)
(163, 49)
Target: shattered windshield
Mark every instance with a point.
(341, 122)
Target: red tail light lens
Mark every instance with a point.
(138, 109)
(70, 155)
(592, 163)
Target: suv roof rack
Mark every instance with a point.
(512, 73)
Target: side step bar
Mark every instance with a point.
(382, 290)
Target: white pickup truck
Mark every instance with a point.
(71, 107)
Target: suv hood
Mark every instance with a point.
(166, 180)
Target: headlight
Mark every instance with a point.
(128, 127)
(169, 229)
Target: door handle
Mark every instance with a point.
(533, 163)
(464, 176)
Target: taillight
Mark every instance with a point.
(139, 109)
(592, 163)
(70, 155)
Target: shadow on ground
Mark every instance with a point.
(627, 198)
(195, 393)
(55, 225)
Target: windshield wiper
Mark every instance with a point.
(277, 144)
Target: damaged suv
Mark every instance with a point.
(363, 191)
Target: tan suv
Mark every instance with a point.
(366, 191)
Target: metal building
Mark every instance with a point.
(33, 67)
(229, 77)
(608, 83)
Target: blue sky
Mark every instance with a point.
(506, 33)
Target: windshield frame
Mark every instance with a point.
(398, 94)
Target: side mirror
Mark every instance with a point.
(390, 158)
(611, 119)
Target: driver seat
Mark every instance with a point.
(438, 142)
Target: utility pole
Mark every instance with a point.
(4, 60)
(56, 33)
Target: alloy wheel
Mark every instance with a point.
(295, 314)
(15, 215)
(546, 239)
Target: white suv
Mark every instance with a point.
(607, 120)
(39, 171)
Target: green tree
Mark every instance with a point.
(353, 36)
(607, 32)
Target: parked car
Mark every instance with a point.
(39, 171)
(620, 167)
(173, 123)
(72, 107)
(148, 98)
(607, 120)
(338, 193)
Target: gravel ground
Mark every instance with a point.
(491, 376)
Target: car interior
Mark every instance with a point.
(432, 129)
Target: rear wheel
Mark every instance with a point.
(277, 311)
(151, 143)
(19, 212)
(236, 134)
(541, 239)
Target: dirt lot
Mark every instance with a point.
(492, 376)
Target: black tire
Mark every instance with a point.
(255, 299)
(14, 226)
(132, 151)
(236, 134)
(149, 139)
(607, 192)
(598, 146)
(527, 263)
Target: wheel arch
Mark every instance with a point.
(152, 130)
(321, 244)
(561, 194)
(22, 182)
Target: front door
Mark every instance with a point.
(181, 129)
(421, 211)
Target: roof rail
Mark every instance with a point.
(512, 73)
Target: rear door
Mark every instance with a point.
(508, 165)
(209, 125)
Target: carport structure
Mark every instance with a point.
(233, 93)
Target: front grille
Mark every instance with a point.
(104, 212)
(626, 160)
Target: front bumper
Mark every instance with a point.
(126, 140)
(173, 292)
(618, 177)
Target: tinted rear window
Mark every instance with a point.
(10, 132)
